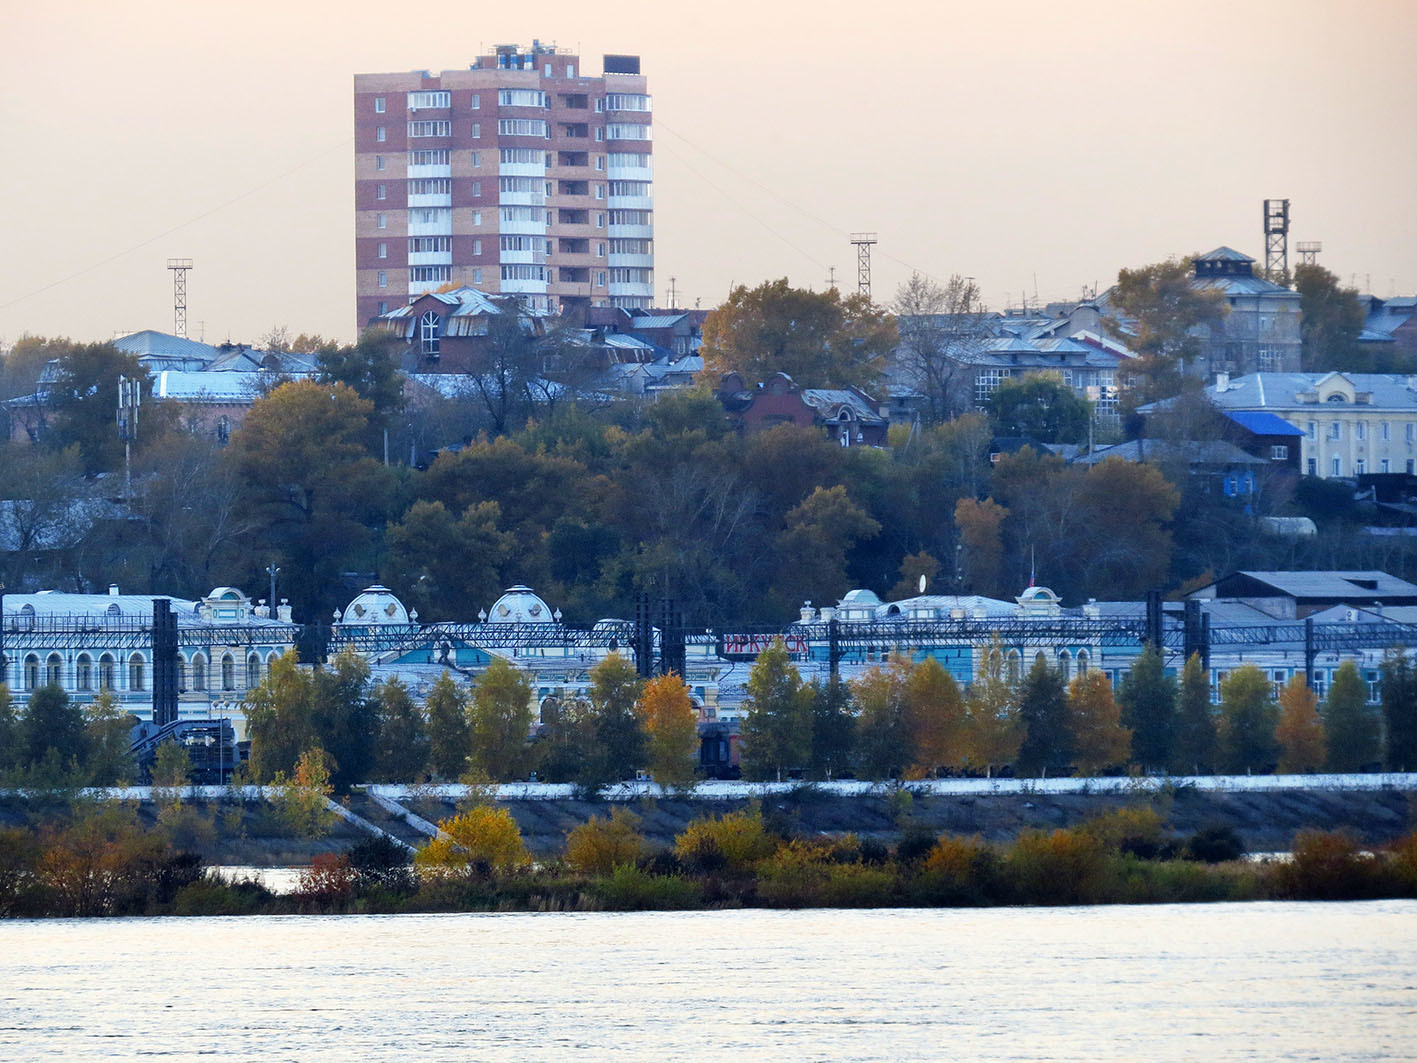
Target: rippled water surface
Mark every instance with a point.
(1198, 982)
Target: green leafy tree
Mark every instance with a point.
(500, 716)
(108, 741)
(1399, 703)
(813, 547)
(670, 724)
(1332, 318)
(1040, 406)
(303, 458)
(886, 728)
(449, 734)
(1163, 316)
(1043, 712)
(833, 728)
(819, 339)
(1300, 732)
(1194, 751)
(1353, 728)
(401, 754)
(1148, 698)
(618, 747)
(10, 731)
(344, 718)
(84, 397)
(446, 561)
(777, 723)
(52, 723)
(279, 718)
(172, 765)
(1248, 717)
(566, 742)
(370, 367)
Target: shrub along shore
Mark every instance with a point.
(101, 859)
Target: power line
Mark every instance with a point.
(739, 204)
(659, 124)
(180, 225)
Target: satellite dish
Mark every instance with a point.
(922, 583)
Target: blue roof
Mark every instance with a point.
(1262, 424)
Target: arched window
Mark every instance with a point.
(137, 678)
(223, 430)
(83, 672)
(106, 665)
(1065, 664)
(31, 672)
(199, 672)
(253, 671)
(429, 326)
(53, 669)
(181, 674)
(1082, 662)
(1015, 665)
(228, 672)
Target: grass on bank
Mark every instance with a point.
(105, 861)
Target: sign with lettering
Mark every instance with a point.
(749, 646)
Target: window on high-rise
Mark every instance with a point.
(522, 127)
(381, 221)
(521, 98)
(379, 163)
(419, 101)
(383, 250)
(627, 101)
(383, 279)
(379, 105)
(381, 134)
(381, 192)
(430, 129)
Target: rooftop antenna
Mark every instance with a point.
(831, 277)
(1276, 238)
(1309, 252)
(862, 242)
(673, 293)
(179, 267)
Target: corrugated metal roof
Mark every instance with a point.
(224, 387)
(657, 321)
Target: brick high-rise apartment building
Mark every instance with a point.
(520, 176)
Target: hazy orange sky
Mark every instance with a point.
(1029, 144)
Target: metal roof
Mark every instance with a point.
(1224, 254)
(1332, 583)
(1262, 423)
(1281, 391)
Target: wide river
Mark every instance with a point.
(1169, 982)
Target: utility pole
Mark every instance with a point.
(130, 397)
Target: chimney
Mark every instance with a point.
(1222, 382)
(113, 590)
